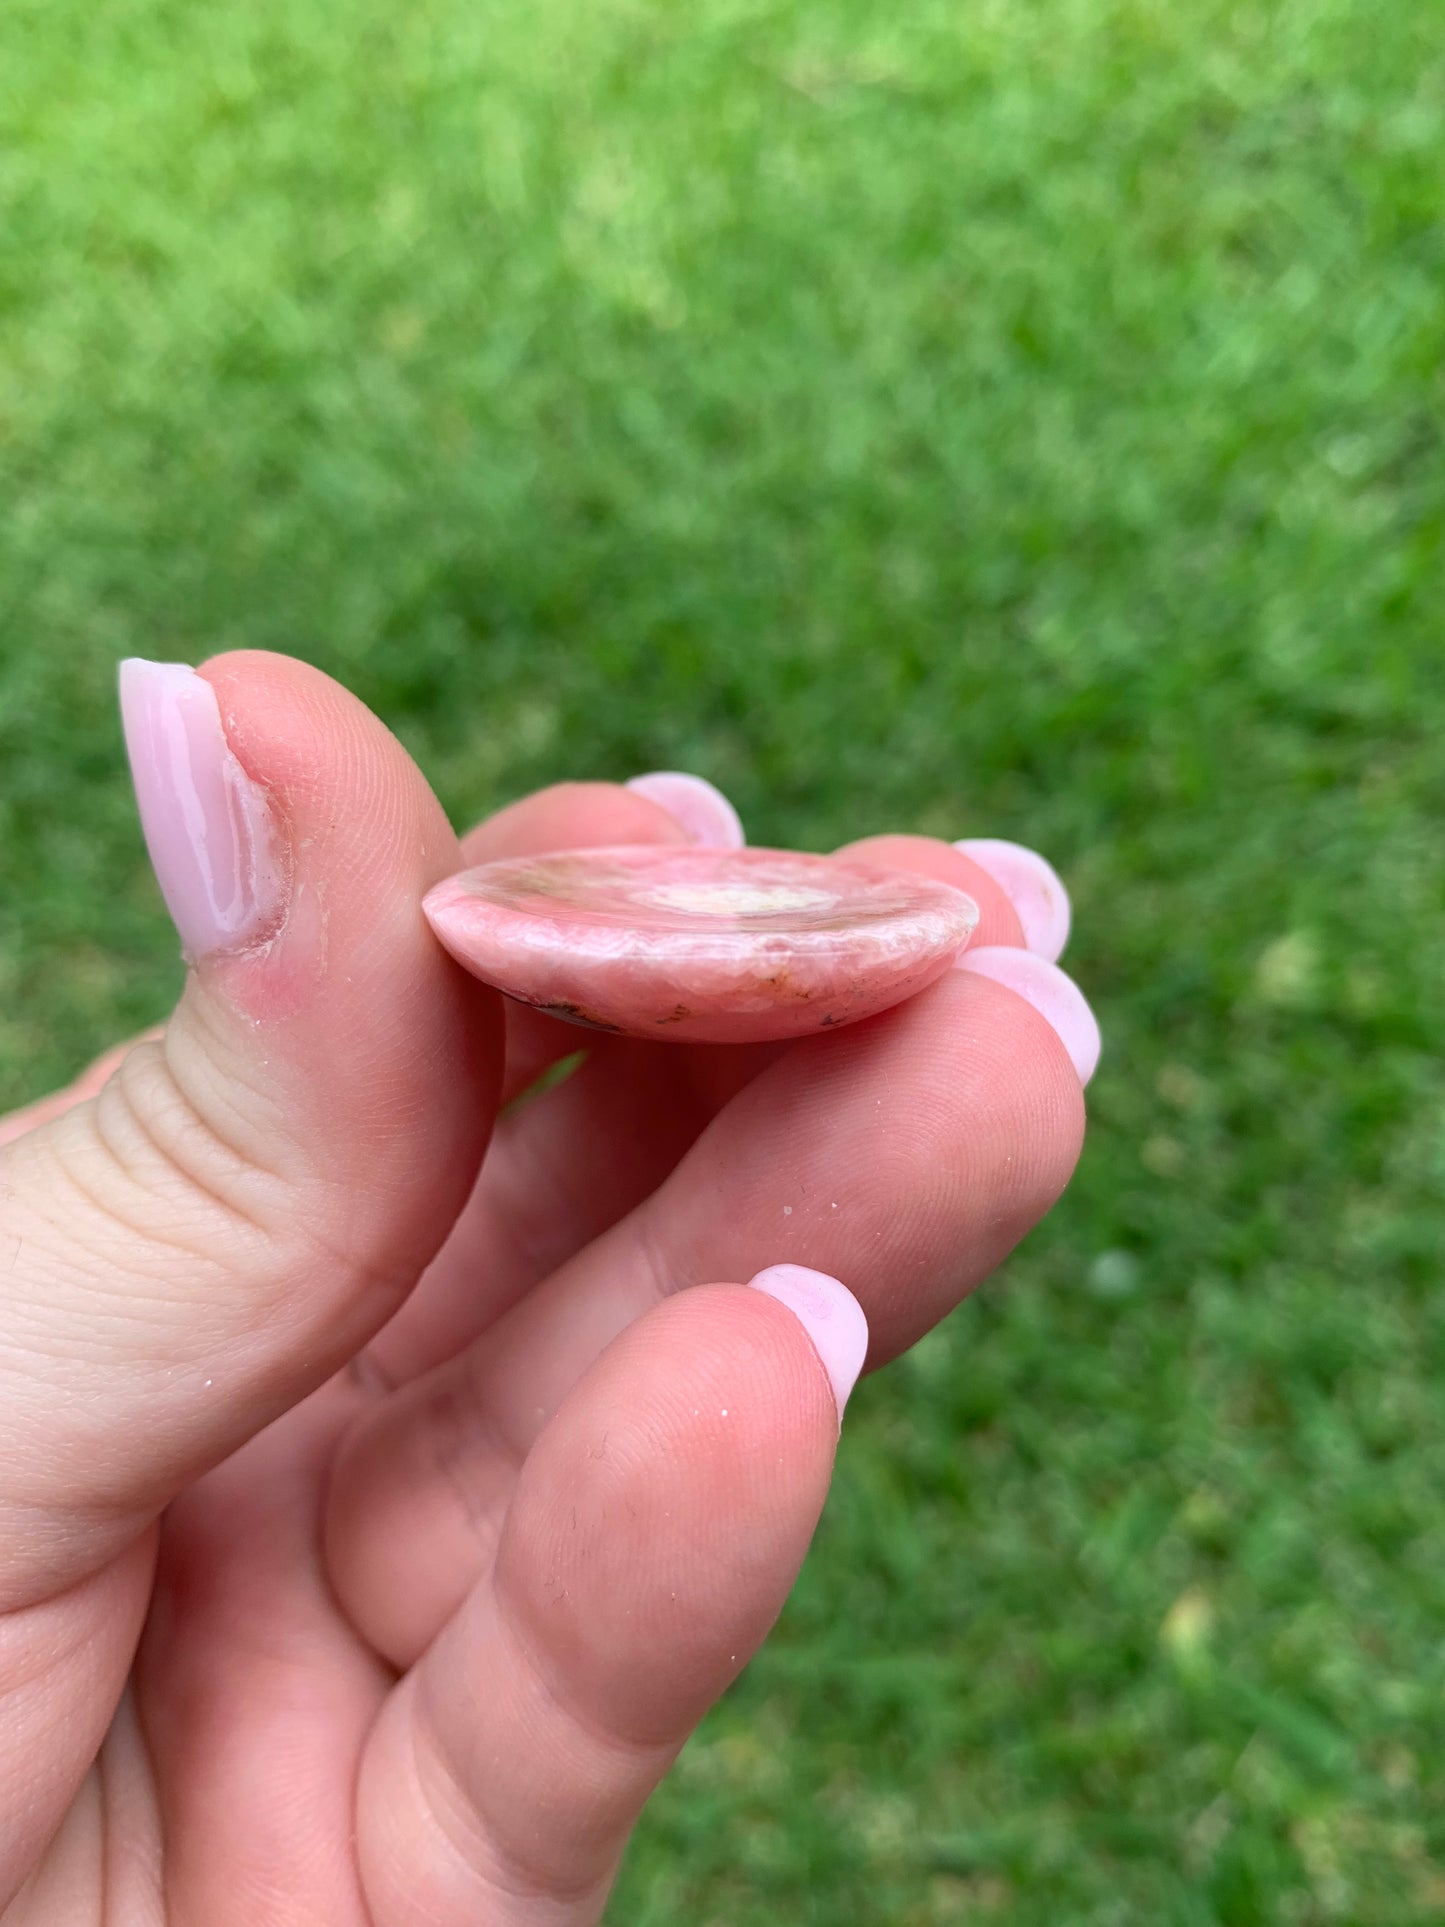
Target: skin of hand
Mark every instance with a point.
(375, 1522)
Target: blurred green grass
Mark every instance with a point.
(979, 419)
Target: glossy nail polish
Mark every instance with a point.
(831, 1316)
(1032, 885)
(1053, 995)
(208, 826)
(703, 811)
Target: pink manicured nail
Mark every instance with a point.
(704, 812)
(831, 1316)
(207, 825)
(1032, 885)
(1053, 995)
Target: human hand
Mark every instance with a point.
(331, 1595)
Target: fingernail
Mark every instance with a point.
(207, 825)
(704, 812)
(831, 1316)
(1053, 995)
(1032, 885)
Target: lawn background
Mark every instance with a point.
(981, 418)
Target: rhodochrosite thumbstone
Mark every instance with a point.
(705, 946)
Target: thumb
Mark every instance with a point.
(250, 1196)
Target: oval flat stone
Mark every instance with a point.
(701, 945)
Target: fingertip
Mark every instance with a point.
(572, 816)
(1032, 885)
(207, 823)
(930, 856)
(699, 806)
(832, 1317)
(1051, 992)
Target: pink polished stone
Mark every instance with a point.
(701, 945)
